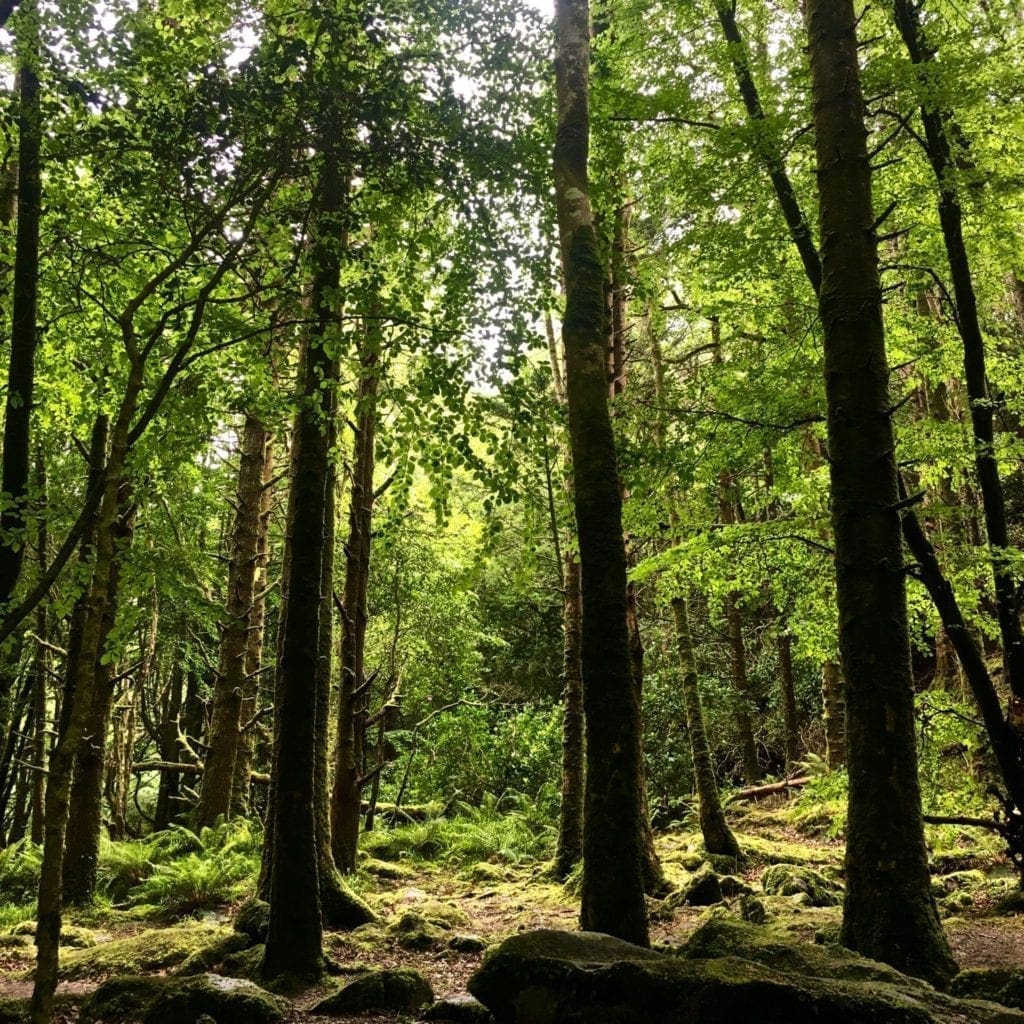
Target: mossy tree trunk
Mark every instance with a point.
(718, 837)
(232, 680)
(353, 697)
(889, 912)
(613, 885)
(787, 691)
(82, 839)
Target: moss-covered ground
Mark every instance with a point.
(437, 914)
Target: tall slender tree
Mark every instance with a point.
(613, 885)
(889, 912)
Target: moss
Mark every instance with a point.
(752, 910)
(414, 931)
(122, 998)
(252, 919)
(153, 950)
(212, 955)
(484, 872)
(461, 943)
(703, 889)
(386, 869)
(13, 1011)
(795, 880)
(226, 1000)
(402, 990)
(244, 964)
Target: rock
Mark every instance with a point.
(733, 886)
(459, 1010)
(121, 999)
(226, 1000)
(154, 950)
(1001, 986)
(71, 936)
(386, 869)
(957, 881)
(752, 910)
(703, 889)
(797, 880)
(213, 955)
(729, 972)
(484, 872)
(413, 931)
(461, 943)
(252, 919)
(402, 990)
(13, 1011)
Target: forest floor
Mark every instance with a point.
(438, 920)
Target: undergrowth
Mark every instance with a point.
(506, 829)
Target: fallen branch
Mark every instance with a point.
(757, 792)
(939, 819)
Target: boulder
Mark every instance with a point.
(1001, 986)
(702, 889)
(752, 910)
(403, 990)
(797, 880)
(459, 1009)
(414, 931)
(729, 972)
(463, 943)
(121, 999)
(226, 1000)
(154, 950)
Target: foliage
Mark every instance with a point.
(19, 871)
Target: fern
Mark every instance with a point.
(19, 871)
(195, 882)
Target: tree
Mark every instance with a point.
(889, 912)
(612, 898)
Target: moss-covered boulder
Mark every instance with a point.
(730, 971)
(459, 1010)
(702, 889)
(732, 886)
(798, 880)
(71, 936)
(958, 881)
(413, 931)
(462, 942)
(1001, 986)
(226, 1000)
(752, 910)
(387, 869)
(400, 991)
(253, 919)
(155, 950)
(121, 999)
(211, 956)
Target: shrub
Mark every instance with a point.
(195, 882)
(19, 871)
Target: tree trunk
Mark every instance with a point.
(570, 816)
(82, 838)
(889, 913)
(352, 695)
(76, 710)
(613, 885)
(787, 690)
(232, 680)
(40, 666)
(241, 786)
(939, 147)
(718, 837)
(294, 933)
(24, 332)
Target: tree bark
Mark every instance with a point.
(82, 837)
(232, 680)
(718, 837)
(613, 887)
(569, 848)
(889, 913)
(352, 694)
(787, 691)
(24, 330)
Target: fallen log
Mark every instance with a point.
(940, 819)
(758, 792)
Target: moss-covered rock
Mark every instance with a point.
(226, 1000)
(701, 889)
(752, 910)
(797, 880)
(211, 956)
(733, 887)
(245, 964)
(401, 991)
(459, 1010)
(413, 931)
(71, 936)
(1001, 986)
(121, 999)
(253, 919)
(154, 950)
(13, 1011)
(484, 872)
(728, 972)
(461, 942)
